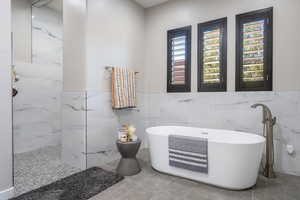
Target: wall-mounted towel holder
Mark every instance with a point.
(109, 68)
(128, 109)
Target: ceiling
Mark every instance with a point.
(56, 5)
(150, 3)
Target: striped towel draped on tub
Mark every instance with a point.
(123, 88)
(189, 153)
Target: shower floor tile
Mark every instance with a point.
(40, 167)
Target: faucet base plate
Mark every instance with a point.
(269, 173)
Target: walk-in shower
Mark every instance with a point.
(38, 66)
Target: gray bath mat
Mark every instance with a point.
(79, 186)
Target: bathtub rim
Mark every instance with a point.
(258, 138)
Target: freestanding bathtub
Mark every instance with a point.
(233, 157)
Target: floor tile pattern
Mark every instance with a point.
(40, 167)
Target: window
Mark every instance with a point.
(179, 60)
(212, 55)
(254, 50)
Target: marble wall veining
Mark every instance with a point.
(47, 36)
(90, 127)
(102, 128)
(37, 107)
(232, 111)
(74, 129)
(229, 111)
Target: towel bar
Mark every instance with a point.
(108, 68)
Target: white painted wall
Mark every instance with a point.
(21, 26)
(5, 96)
(115, 37)
(177, 13)
(74, 53)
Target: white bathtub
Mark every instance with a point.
(233, 157)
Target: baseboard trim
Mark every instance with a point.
(6, 194)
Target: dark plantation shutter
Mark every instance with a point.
(179, 60)
(254, 50)
(212, 55)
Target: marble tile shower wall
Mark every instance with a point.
(90, 127)
(37, 115)
(74, 127)
(37, 107)
(47, 36)
(232, 111)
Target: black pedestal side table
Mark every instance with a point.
(128, 164)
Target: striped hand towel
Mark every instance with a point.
(123, 88)
(190, 153)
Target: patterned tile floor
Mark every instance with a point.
(37, 168)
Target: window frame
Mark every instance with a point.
(267, 84)
(187, 31)
(202, 27)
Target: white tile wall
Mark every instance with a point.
(74, 129)
(232, 111)
(207, 110)
(96, 127)
(37, 107)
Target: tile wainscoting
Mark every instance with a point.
(207, 110)
(232, 111)
(74, 129)
(90, 127)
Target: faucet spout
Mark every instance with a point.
(267, 114)
(257, 104)
(266, 108)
